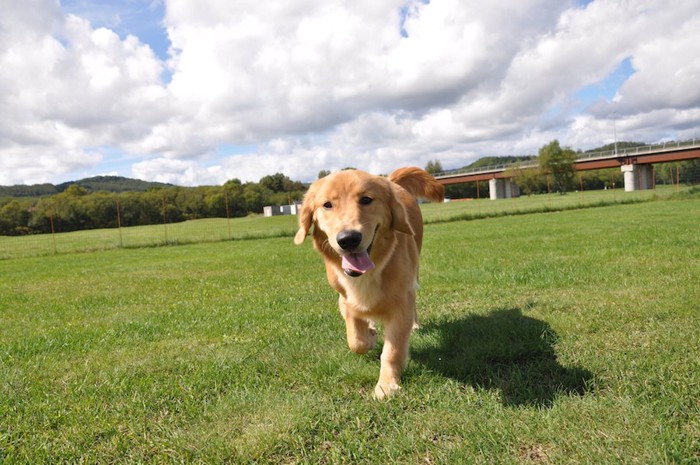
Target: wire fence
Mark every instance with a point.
(165, 233)
(59, 240)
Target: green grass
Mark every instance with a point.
(566, 337)
(256, 226)
(485, 208)
(188, 232)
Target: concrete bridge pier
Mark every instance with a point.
(638, 177)
(503, 189)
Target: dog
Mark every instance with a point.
(369, 231)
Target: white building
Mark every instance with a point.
(277, 210)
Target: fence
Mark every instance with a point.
(166, 232)
(59, 241)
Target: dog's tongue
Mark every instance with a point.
(357, 262)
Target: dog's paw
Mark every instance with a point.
(372, 335)
(386, 391)
(364, 344)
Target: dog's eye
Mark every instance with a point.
(327, 205)
(366, 200)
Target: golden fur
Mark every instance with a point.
(354, 213)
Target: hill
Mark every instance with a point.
(94, 184)
(510, 159)
(502, 160)
(621, 145)
(113, 184)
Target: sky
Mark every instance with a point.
(200, 92)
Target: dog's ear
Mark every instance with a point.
(306, 215)
(399, 216)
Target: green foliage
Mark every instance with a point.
(529, 180)
(93, 184)
(434, 166)
(14, 217)
(685, 172)
(558, 163)
(280, 183)
(75, 190)
(499, 160)
(77, 207)
(112, 184)
(621, 145)
(466, 190)
(35, 190)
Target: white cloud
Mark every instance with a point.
(24, 165)
(323, 85)
(68, 90)
(180, 172)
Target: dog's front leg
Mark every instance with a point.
(394, 356)
(360, 332)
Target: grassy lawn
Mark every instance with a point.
(566, 337)
(257, 226)
(187, 232)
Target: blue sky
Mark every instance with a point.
(201, 92)
(605, 89)
(141, 18)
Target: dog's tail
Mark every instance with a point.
(419, 183)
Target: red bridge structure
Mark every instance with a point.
(636, 164)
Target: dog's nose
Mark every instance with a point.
(349, 239)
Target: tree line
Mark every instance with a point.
(81, 206)
(76, 208)
(554, 172)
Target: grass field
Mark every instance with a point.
(566, 337)
(257, 226)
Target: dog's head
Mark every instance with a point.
(348, 210)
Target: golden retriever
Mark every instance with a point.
(369, 230)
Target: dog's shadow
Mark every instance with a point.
(504, 350)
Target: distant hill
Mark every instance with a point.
(510, 159)
(113, 184)
(94, 184)
(620, 146)
(35, 190)
(502, 160)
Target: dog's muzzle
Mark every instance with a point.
(354, 263)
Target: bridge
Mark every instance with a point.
(636, 164)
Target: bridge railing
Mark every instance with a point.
(626, 152)
(642, 149)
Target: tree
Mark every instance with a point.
(529, 180)
(434, 166)
(14, 218)
(75, 190)
(323, 174)
(255, 197)
(274, 182)
(559, 163)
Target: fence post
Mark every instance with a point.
(53, 231)
(119, 224)
(670, 173)
(228, 216)
(165, 225)
(478, 198)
